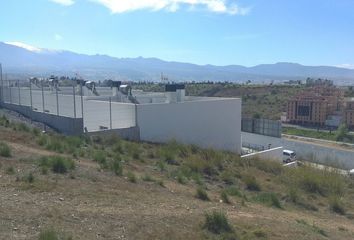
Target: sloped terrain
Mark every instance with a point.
(107, 188)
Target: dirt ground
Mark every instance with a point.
(89, 203)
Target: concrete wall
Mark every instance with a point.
(131, 133)
(274, 154)
(212, 123)
(96, 114)
(65, 125)
(331, 156)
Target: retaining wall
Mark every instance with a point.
(313, 152)
(65, 125)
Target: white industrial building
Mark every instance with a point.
(158, 116)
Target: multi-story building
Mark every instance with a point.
(349, 113)
(314, 106)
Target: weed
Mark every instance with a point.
(181, 178)
(10, 170)
(336, 205)
(251, 183)
(161, 183)
(161, 165)
(5, 150)
(233, 191)
(269, 199)
(131, 177)
(48, 234)
(117, 167)
(148, 178)
(202, 194)
(29, 178)
(260, 233)
(57, 164)
(217, 223)
(100, 157)
(225, 197)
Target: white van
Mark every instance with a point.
(289, 156)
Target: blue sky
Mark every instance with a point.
(221, 32)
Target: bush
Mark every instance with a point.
(336, 205)
(251, 183)
(217, 222)
(202, 194)
(269, 199)
(311, 180)
(233, 191)
(48, 234)
(131, 177)
(57, 164)
(5, 150)
(148, 178)
(100, 157)
(10, 170)
(30, 178)
(225, 197)
(117, 167)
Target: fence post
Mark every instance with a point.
(43, 105)
(19, 92)
(56, 95)
(31, 101)
(110, 113)
(74, 101)
(82, 102)
(10, 90)
(2, 99)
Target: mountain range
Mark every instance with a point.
(21, 61)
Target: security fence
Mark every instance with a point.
(262, 126)
(74, 101)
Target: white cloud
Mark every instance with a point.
(58, 37)
(218, 6)
(64, 2)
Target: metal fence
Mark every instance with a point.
(98, 112)
(262, 126)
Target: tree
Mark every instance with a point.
(342, 132)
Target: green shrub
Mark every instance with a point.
(117, 167)
(131, 177)
(48, 234)
(42, 140)
(36, 131)
(22, 127)
(225, 197)
(233, 191)
(57, 164)
(202, 194)
(269, 199)
(29, 177)
(100, 157)
(5, 150)
(10, 170)
(336, 205)
(148, 178)
(217, 223)
(181, 178)
(161, 165)
(251, 183)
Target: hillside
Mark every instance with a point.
(21, 60)
(263, 101)
(107, 188)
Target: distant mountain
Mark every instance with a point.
(21, 60)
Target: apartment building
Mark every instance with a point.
(315, 105)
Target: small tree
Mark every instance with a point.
(342, 132)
